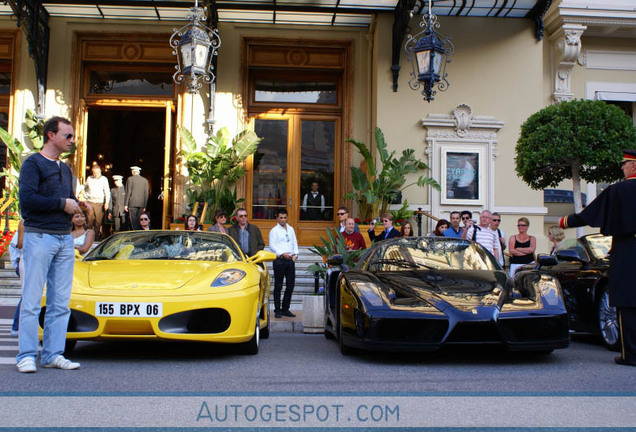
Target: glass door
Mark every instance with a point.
(295, 168)
(270, 179)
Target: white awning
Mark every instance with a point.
(615, 96)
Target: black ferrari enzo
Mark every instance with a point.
(583, 272)
(422, 293)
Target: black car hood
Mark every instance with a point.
(462, 290)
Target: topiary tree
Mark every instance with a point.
(578, 140)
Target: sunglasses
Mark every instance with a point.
(465, 218)
(144, 219)
(68, 136)
(385, 220)
(521, 225)
(341, 214)
(241, 216)
(496, 220)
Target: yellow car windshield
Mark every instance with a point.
(166, 245)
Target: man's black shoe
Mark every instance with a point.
(288, 314)
(278, 314)
(621, 361)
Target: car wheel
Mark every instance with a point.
(251, 347)
(69, 346)
(344, 349)
(608, 321)
(264, 332)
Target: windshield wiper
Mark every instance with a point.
(97, 258)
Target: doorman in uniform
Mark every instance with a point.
(117, 198)
(136, 196)
(613, 212)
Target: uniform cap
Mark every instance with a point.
(135, 168)
(629, 155)
(118, 177)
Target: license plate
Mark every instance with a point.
(129, 309)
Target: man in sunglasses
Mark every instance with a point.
(495, 221)
(248, 236)
(388, 232)
(343, 215)
(47, 203)
(484, 235)
(613, 212)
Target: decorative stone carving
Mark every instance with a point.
(582, 60)
(566, 43)
(456, 133)
(463, 118)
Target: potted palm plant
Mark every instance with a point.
(381, 182)
(215, 167)
(313, 305)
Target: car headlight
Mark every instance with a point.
(547, 287)
(228, 277)
(369, 292)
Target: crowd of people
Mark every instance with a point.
(120, 208)
(56, 226)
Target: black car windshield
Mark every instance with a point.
(600, 245)
(166, 245)
(436, 253)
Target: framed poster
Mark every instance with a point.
(462, 172)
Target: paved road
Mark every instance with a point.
(292, 362)
(181, 385)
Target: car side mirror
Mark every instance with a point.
(335, 260)
(262, 256)
(546, 261)
(571, 255)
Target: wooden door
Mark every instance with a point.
(167, 175)
(296, 168)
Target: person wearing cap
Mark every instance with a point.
(116, 207)
(613, 212)
(220, 218)
(136, 196)
(97, 194)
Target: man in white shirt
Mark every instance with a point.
(97, 195)
(483, 235)
(495, 220)
(282, 241)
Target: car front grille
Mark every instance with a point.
(198, 321)
(411, 330)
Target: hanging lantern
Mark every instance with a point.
(195, 45)
(429, 52)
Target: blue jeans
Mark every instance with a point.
(49, 259)
(16, 317)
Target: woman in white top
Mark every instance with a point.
(83, 238)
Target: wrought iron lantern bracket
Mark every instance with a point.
(429, 52)
(195, 45)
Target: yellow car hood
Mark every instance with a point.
(145, 275)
